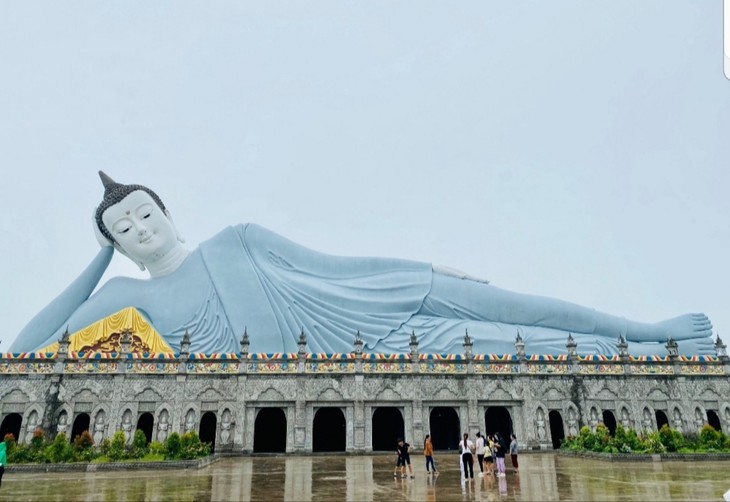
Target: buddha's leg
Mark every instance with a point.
(451, 297)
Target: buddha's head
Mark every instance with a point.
(134, 219)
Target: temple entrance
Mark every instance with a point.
(557, 431)
(328, 430)
(207, 430)
(81, 424)
(269, 431)
(388, 426)
(609, 420)
(713, 420)
(145, 423)
(498, 419)
(445, 428)
(661, 419)
(11, 425)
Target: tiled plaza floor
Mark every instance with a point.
(543, 476)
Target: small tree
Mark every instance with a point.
(84, 447)
(173, 446)
(118, 447)
(59, 450)
(139, 444)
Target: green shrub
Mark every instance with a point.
(59, 450)
(653, 443)
(672, 439)
(118, 447)
(39, 440)
(139, 445)
(173, 446)
(84, 447)
(156, 448)
(191, 447)
(710, 439)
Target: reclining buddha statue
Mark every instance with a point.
(247, 277)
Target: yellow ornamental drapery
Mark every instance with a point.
(105, 335)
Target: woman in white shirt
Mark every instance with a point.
(467, 458)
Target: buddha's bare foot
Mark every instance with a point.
(697, 347)
(684, 327)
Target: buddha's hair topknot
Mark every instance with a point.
(114, 193)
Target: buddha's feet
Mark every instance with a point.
(694, 347)
(684, 327)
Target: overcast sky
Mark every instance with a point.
(572, 149)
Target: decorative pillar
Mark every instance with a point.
(572, 347)
(184, 355)
(243, 355)
(520, 352)
(358, 352)
(468, 354)
(673, 351)
(623, 353)
(125, 348)
(721, 352)
(415, 365)
(302, 352)
(62, 353)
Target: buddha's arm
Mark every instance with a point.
(57, 313)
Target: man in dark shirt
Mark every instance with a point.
(404, 457)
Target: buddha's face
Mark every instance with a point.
(140, 227)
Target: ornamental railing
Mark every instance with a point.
(359, 362)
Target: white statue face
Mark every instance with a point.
(140, 228)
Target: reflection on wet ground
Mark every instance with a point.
(543, 476)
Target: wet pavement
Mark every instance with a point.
(542, 476)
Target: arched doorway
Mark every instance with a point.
(145, 423)
(11, 425)
(388, 426)
(269, 431)
(208, 425)
(713, 420)
(81, 424)
(661, 419)
(498, 419)
(609, 420)
(557, 431)
(328, 430)
(445, 428)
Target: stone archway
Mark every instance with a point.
(208, 429)
(498, 419)
(714, 420)
(557, 431)
(269, 431)
(146, 423)
(81, 424)
(661, 419)
(11, 424)
(328, 430)
(445, 428)
(609, 420)
(388, 426)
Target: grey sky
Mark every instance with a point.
(572, 149)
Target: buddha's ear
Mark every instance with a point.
(121, 250)
(180, 238)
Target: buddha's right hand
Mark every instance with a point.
(100, 238)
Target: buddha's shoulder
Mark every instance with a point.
(248, 232)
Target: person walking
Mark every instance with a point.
(404, 458)
(467, 459)
(428, 453)
(501, 448)
(513, 452)
(480, 443)
(3, 459)
(489, 455)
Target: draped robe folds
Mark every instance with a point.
(247, 277)
(276, 288)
